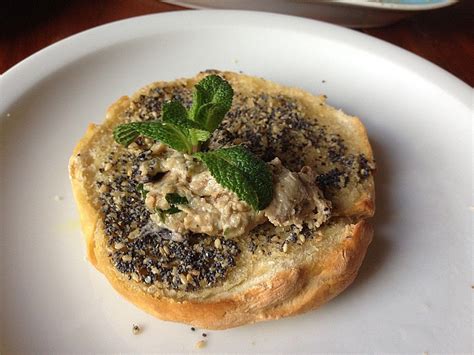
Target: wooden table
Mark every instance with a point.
(444, 37)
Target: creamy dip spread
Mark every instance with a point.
(214, 210)
(211, 209)
(296, 198)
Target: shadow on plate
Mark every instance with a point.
(380, 249)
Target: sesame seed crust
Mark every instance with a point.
(270, 126)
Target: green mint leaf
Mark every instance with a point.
(175, 199)
(163, 213)
(175, 113)
(217, 90)
(212, 99)
(125, 134)
(142, 191)
(240, 171)
(174, 136)
(199, 97)
(172, 210)
(211, 115)
(198, 135)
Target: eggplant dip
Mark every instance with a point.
(209, 208)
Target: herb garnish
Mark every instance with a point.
(241, 172)
(179, 128)
(173, 199)
(142, 191)
(235, 168)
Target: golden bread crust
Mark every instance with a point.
(291, 290)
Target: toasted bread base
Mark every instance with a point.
(290, 290)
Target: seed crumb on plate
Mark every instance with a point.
(200, 344)
(135, 329)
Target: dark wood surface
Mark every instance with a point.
(444, 37)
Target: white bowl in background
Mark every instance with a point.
(348, 13)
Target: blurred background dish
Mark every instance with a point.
(349, 13)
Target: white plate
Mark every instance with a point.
(414, 290)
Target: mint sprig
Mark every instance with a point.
(172, 135)
(174, 129)
(176, 199)
(179, 128)
(241, 172)
(173, 199)
(176, 114)
(184, 130)
(212, 99)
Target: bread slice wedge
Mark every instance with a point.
(211, 282)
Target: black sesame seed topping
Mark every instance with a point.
(270, 126)
(334, 178)
(147, 254)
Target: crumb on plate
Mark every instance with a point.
(135, 329)
(200, 344)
